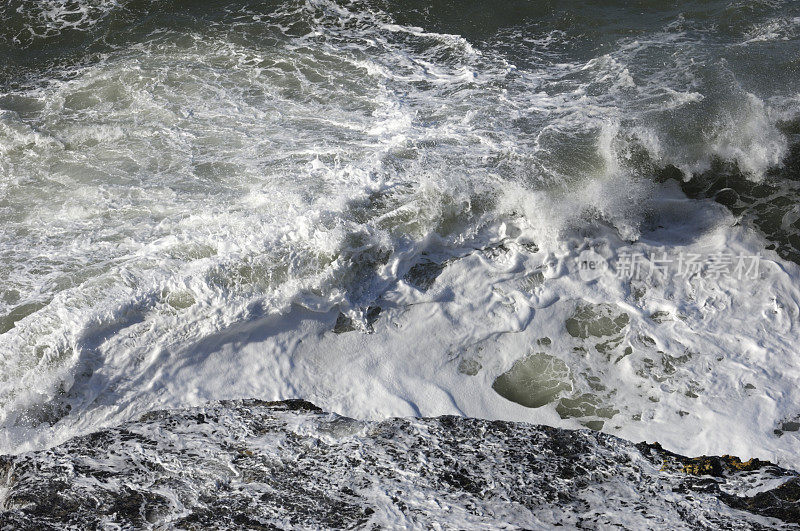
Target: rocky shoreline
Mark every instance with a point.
(251, 464)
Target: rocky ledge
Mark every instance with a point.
(266, 465)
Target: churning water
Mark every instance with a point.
(379, 206)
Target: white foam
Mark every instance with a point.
(479, 309)
(191, 214)
(776, 29)
(51, 17)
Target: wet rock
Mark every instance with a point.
(423, 274)
(769, 205)
(790, 426)
(250, 464)
(344, 324)
(727, 197)
(782, 502)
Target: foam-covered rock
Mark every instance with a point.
(261, 465)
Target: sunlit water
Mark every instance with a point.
(379, 206)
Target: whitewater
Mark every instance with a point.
(386, 208)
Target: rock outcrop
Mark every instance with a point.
(259, 465)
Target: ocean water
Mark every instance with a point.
(404, 208)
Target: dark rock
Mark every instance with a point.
(250, 464)
(423, 274)
(727, 197)
(344, 324)
(768, 205)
